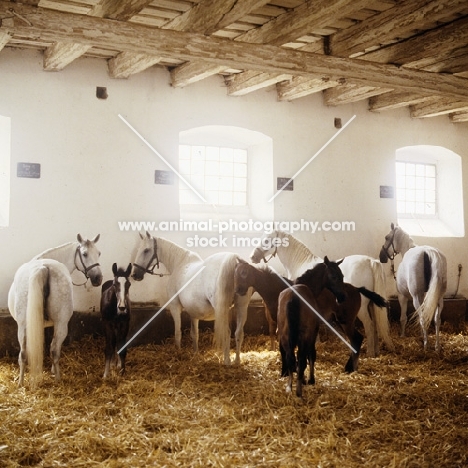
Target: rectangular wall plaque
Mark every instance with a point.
(282, 181)
(164, 177)
(29, 170)
(386, 191)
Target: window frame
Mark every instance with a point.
(203, 173)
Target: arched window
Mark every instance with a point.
(5, 130)
(231, 167)
(429, 191)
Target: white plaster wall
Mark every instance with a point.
(96, 172)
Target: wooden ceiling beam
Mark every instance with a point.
(379, 29)
(288, 27)
(52, 26)
(129, 63)
(4, 39)
(437, 106)
(118, 9)
(313, 14)
(251, 80)
(61, 54)
(300, 86)
(414, 52)
(458, 117)
(348, 93)
(209, 16)
(394, 22)
(395, 100)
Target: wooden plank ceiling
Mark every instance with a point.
(392, 53)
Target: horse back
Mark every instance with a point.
(297, 319)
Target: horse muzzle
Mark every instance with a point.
(138, 273)
(96, 279)
(383, 256)
(257, 256)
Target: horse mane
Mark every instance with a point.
(310, 273)
(405, 236)
(54, 249)
(300, 253)
(174, 252)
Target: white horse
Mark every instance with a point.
(41, 295)
(421, 276)
(358, 270)
(208, 297)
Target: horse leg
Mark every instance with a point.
(284, 364)
(22, 357)
(301, 366)
(60, 333)
(312, 357)
(271, 328)
(356, 341)
(241, 305)
(403, 300)
(194, 333)
(121, 338)
(176, 311)
(437, 320)
(109, 349)
(369, 329)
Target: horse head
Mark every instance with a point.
(334, 279)
(87, 259)
(396, 241)
(326, 274)
(121, 285)
(242, 280)
(146, 258)
(269, 245)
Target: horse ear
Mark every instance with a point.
(79, 238)
(96, 238)
(326, 261)
(148, 235)
(339, 262)
(114, 268)
(129, 270)
(141, 235)
(392, 226)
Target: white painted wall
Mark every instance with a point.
(96, 172)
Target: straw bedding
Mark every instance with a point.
(403, 409)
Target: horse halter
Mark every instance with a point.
(385, 249)
(85, 268)
(147, 269)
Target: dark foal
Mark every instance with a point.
(115, 312)
(268, 284)
(298, 324)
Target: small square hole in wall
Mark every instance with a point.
(101, 92)
(338, 122)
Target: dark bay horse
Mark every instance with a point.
(115, 312)
(268, 284)
(298, 320)
(303, 306)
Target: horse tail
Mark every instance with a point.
(381, 313)
(35, 323)
(293, 316)
(436, 289)
(376, 299)
(224, 299)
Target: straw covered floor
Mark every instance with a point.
(174, 408)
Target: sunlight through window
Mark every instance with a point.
(219, 173)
